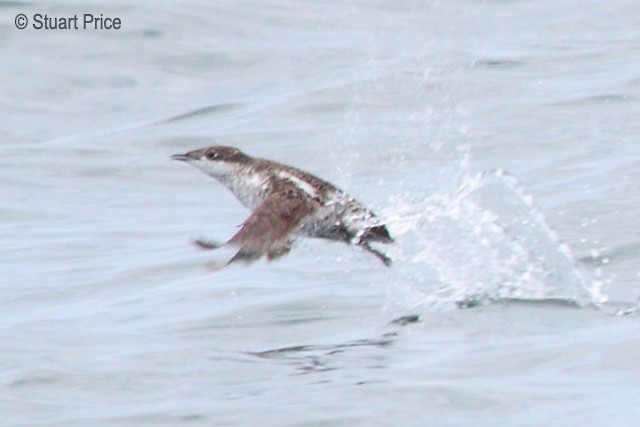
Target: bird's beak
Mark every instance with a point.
(181, 157)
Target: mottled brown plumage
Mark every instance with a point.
(274, 221)
(286, 202)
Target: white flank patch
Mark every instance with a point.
(304, 186)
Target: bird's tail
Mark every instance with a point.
(378, 233)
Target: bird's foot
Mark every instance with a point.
(386, 260)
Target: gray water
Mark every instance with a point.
(499, 139)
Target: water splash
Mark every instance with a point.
(484, 242)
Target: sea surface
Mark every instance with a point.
(499, 140)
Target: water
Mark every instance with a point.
(497, 138)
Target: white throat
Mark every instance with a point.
(219, 170)
(250, 189)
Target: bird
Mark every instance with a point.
(286, 203)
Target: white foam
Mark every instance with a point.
(484, 242)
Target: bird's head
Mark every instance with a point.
(216, 161)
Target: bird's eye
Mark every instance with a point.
(212, 155)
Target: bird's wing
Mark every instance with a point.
(270, 229)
